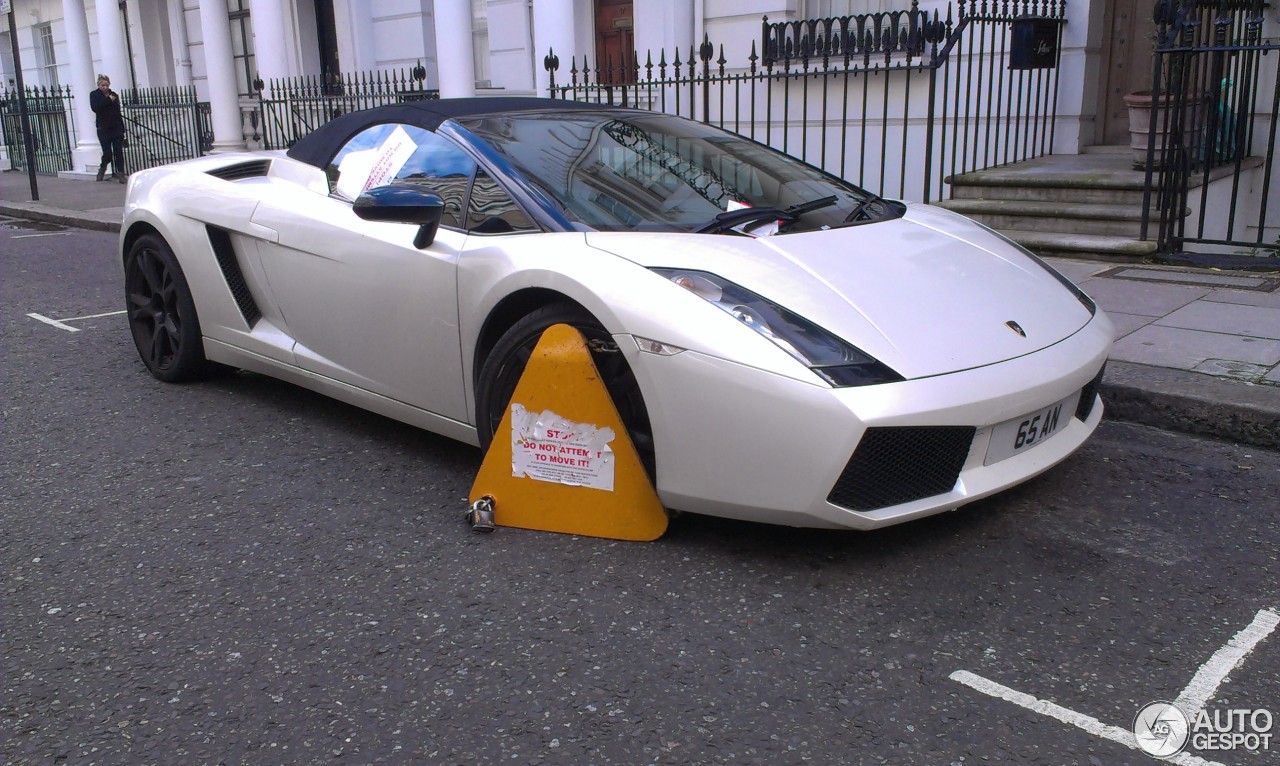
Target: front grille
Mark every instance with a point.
(898, 465)
(1088, 394)
(242, 170)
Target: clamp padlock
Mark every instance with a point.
(480, 515)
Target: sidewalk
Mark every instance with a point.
(1196, 350)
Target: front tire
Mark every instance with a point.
(505, 364)
(162, 314)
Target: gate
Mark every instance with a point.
(47, 110)
(164, 125)
(1213, 122)
(895, 101)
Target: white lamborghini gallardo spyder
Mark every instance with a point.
(781, 345)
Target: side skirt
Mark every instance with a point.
(218, 351)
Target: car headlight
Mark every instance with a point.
(831, 358)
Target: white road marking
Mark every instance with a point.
(95, 316)
(1079, 720)
(46, 234)
(1191, 701)
(1205, 683)
(54, 322)
(59, 323)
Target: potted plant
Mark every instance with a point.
(1142, 105)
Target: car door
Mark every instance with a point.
(363, 305)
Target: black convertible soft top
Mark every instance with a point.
(319, 147)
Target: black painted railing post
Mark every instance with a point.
(551, 63)
(705, 51)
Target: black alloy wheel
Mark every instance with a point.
(162, 315)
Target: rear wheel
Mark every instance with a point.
(505, 364)
(162, 315)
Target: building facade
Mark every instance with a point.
(492, 46)
(233, 52)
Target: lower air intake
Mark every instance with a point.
(1088, 394)
(897, 465)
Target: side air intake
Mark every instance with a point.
(226, 255)
(242, 170)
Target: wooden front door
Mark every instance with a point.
(1128, 39)
(615, 40)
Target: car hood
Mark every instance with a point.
(927, 294)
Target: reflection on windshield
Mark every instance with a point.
(641, 171)
(703, 181)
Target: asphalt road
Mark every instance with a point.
(243, 572)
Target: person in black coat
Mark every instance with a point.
(106, 105)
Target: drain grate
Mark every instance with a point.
(1192, 278)
(8, 222)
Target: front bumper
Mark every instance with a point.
(741, 443)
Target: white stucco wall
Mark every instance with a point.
(403, 33)
(511, 53)
(397, 34)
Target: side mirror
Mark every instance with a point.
(403, 203)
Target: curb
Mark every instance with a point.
(80, 219)
(1193, 403)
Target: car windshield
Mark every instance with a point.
(641, 171)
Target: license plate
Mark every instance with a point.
(1021, 434)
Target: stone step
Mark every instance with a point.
(1107, 179)
(1084, 196)
(1123, 249)
(1101, 227)
(1121, 149)
(1088, 171)
(1060, 217)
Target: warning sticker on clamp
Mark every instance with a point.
(547, 447)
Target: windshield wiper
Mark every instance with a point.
(734, 218)
(864, 207)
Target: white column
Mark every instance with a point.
(181, 42)
(152, 44)
(361, 15)
(111, 44)
(454, 57)
(269, 36)
(552, 31)
(512, 57)
(224, 100)
(87, 153)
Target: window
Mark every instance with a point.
(385, 154)
(47, 58)
(242, 46)
(829, 9)
(490, 210)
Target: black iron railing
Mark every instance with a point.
(164, 125)
(293, 107)
(52, 132)
(896, 102)
(1213, 122)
